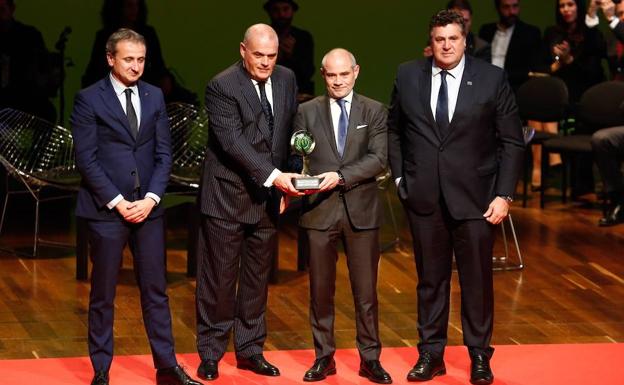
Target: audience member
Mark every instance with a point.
(614, 13)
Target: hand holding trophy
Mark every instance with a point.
(302, 143)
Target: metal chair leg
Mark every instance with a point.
(505, 265)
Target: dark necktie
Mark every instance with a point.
(442, 112)
(266, 106)
(131, 113)
(343, 123)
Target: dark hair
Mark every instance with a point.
(112, 11)
(446, 17)
(122, 34)
(580, 14)
(461, 4)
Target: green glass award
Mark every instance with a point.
(302, 143)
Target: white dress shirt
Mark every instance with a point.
(335, 111)
(136, 103)
(500, 45)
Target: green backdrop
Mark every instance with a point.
(200, 37)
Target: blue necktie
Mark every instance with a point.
(343, 123)
(442, 112)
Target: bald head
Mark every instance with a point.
(259, 51)
(339, 70)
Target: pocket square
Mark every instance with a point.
(361, 126)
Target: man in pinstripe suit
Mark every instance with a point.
(250, 108)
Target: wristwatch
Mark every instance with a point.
(508, 198)
(341, 180)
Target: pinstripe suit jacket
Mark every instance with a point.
(365, 156)
(241, 152)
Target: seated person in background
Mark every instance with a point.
(614, 13)
(296, 46)
(608, 146)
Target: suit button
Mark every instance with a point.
(441, 148)
(133, 173)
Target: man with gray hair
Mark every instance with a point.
(250, 108)
(351, 149)
(123, 153)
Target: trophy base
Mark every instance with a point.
(307, 183)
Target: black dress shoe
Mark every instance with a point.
(427, 367)
(208, 370)
(174, 375)
(258, 365)
(373, 370)
(100, 378)
(323, 367)
(614, 216)
(480, 371)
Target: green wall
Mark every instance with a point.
(200, 38)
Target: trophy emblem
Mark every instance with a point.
(302, 143)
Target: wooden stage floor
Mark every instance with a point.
(571, 290)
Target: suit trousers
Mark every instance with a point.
(147, 244)
(608, 146)
(437, 237)
(232, 285)
(362, 251)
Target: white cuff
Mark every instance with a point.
(591, 22)
(154, 197)
(397, 181)
(614, 22)
(111, 205)
(271, 178)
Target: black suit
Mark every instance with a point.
(524, 53)
(351, 213)
(446, 186)
(239, 214)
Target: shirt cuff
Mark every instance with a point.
(153, 196)
(591, 22)
(614, 22)
(111, 205)
(271, 178)
(397, 181)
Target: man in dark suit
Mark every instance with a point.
(516, 46)
(123, 153)
(351, 149)
(250, 109)
(455, 148)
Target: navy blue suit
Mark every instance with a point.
(112, 162)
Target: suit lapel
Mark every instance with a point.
(328, 126)
(278, 100)
(465, 97)
(355, 117)
(424, 84)
(112, 102)
(146, 105)
(250, 94)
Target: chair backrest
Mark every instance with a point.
(189, 138)
(543, 98)
(600, 106)
(36, 151)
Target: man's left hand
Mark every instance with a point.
(497, 211)
(142, 208)
(330, 181)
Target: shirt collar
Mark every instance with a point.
(455, 72)
(120, 88)
(267, 82)
(347, 98)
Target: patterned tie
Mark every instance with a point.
(343, 123)
(131, 113)
(266, 106)
(442, 112)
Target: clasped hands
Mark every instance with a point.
(137, 211)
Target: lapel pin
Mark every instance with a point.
(469, 83)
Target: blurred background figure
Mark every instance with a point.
(296, 46)
(26, 70)
(132, 14)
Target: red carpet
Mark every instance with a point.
(582, 364)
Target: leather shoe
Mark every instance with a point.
(322, 367)
(258, 365)
(480, 371)
(100, 378)
(174, 375)
(427, 367)
(373, 370)
(614, 216)
(208, 370)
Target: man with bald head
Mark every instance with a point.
(250, 109)
(351, 141)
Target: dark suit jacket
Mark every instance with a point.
(364, 158)
(241, 153)
(478, 159)
(524, 53)
(110, 160)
